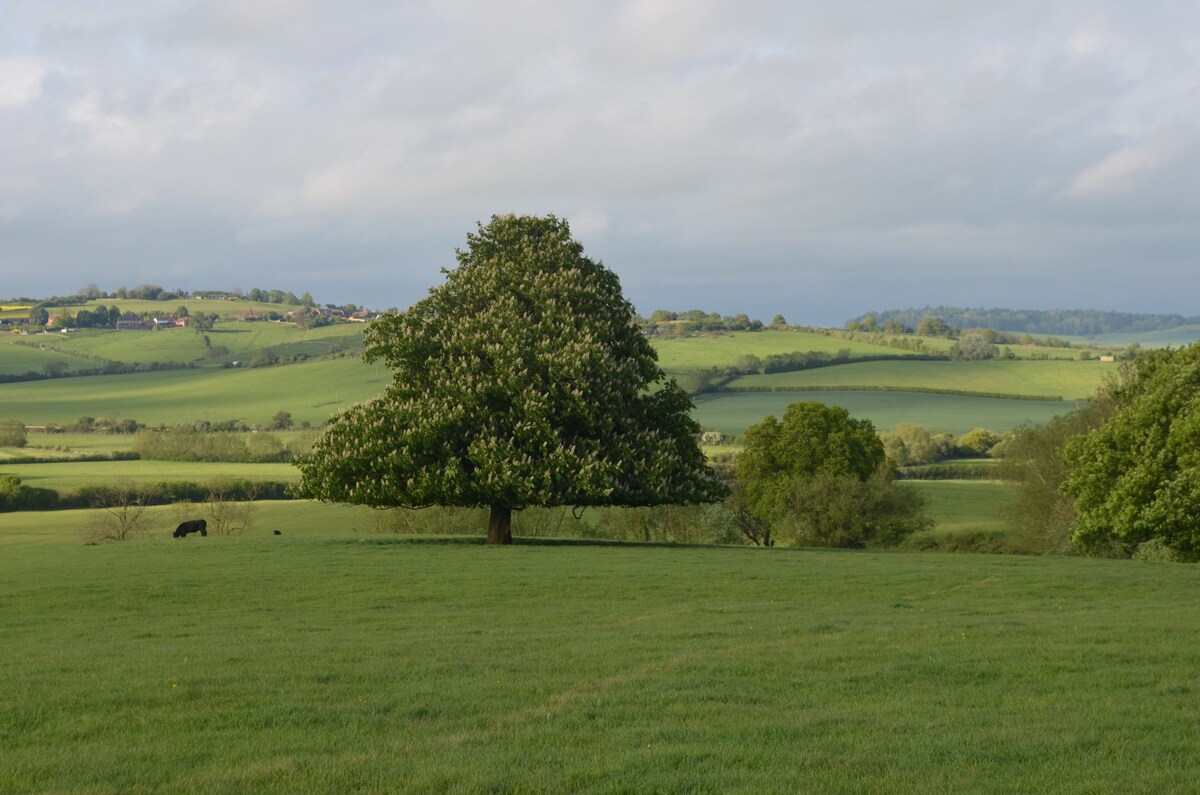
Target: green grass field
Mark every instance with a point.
(311, 392)
(185, 345)
(1176, 337)
(16, 358)
(959, 506)
(683, 354)
(328, 660)
(1072, 380)
(734, 412)
(67, 476)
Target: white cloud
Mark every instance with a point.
(20, 80)
(714, 143)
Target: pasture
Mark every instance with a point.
(311, 391)
(68, 476)
(684, 354)
(1068, 379)
(329, 660)
(16, 357)
(733, 412)
(241, 340)
(964, 506)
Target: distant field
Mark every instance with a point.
(16, 358)
(734, 412)
(165, 345)
(67, 477)
(330, 660)
(226, 309)
(312, 392)
(1073, 380)
(684, 354)
(1176, 337)
(241, 339)
(964, 505)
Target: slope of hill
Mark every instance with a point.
(311, 391)
(1070, 380)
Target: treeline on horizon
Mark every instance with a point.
(1071, 322)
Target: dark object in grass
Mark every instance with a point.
(193, 526)
(278, 532)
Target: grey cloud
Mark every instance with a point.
(810, 158)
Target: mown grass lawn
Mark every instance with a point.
(325, 660)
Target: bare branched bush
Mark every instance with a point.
(226, 516)
(119, 513)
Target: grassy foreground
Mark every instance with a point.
(325, 660)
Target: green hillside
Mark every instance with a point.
(684, 354)
(1069, 379)
(734, 412)
(242, 339)
(20, 354)
(311, 391)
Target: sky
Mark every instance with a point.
(801, 157)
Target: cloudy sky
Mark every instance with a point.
(811, 158)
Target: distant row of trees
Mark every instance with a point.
(1074, 322)
(694, 320)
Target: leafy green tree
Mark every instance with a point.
(1136, 478)
(822, 476)
(933, 326)
(12, 433)
(1040, 516)
(977, 442)
(520, 381)
(38, 316)
(282, 421)
(909, 444)
(973, 346)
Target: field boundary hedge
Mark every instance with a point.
(948, 471)
(16, 496)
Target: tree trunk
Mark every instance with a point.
(500, 525)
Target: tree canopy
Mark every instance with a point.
(1136, 478)
(822, 476)
(521, 380)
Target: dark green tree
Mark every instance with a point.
(522, 380)
(38, 316)
(1040, 516)
(822, 476)
(1136, 478)
(933, 326)
(12, 433)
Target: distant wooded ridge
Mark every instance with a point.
(1073, 322)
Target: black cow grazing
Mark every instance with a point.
(194, 526)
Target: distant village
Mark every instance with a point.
(64, 314)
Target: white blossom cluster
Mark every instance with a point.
(522, 380)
